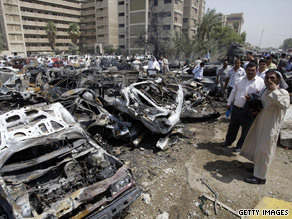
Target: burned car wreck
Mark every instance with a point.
(157, 105)
(51, 168)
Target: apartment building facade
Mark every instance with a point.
(193, 12)
(102, 22)
(172, 16)
(234, 20)
(23, 24)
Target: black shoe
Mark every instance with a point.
(237, 149)
(225, 144)
(249, 169)
(255, 180)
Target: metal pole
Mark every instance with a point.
(261, 38)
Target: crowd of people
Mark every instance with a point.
(258, 100)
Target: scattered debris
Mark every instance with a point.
(164, 215)
(146, 198)
(216, 195)
(221, 204)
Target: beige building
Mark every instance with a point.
(172, 16)
(234, 20)
(23, 24)
(192, 13)
(102, 22)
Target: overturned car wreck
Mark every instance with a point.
(51, 168)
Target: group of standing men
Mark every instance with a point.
(160, 66)
(246, 86)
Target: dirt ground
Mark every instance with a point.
(170, 179)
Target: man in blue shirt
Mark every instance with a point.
(289, 65)
(198, 72)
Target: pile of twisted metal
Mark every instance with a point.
(54, 125)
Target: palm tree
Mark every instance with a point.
(51, 31)
(74, 32)
(210, 20)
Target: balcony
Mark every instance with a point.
(103, 13)
(102, 22)
(88, 27)
(50, 17)
(88, 20)
(43, 32)
(87, 34)
(61, 3)
(10, 2)
(88, 12)
(88, 5)
(42, 24)
(45, 40)
(49, 8)
(102, 4)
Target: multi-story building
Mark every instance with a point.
(192, 13)
(172, 16)
(23, 24)
(24, 21)
(102, 22)
(235, 20)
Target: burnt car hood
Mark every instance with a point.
(156, 104)
(51, 168)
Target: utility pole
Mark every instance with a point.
(261, 38)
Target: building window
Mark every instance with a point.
(121, 3)
(121, 36)
(122, 46)
(121, 25)
(155, 2)
(185, 20)
(167, 1)
(121, 14)
(100, 35)
(164, 14)
(166, 27)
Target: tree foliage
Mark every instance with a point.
(287, 44)
(157, 39)
(243, 36)
(183, 44)
(57, 51)
(213, 37)
(51, 31)
(74, 32)
(209, 21)
(109, 49)
(73, 49)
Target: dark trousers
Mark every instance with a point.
(238, 118)
(229, 89)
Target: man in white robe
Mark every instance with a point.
(153, 66)
(261, 141)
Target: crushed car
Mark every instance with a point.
(51, 168)
(153, 102)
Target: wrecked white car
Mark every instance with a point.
(51, 168)
(156, 104)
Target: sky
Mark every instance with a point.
(274, 17)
